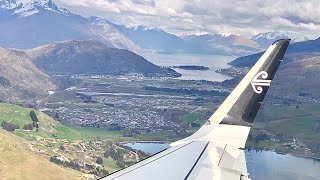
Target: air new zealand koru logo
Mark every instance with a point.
(259, 81)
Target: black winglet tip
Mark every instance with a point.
(281, 40)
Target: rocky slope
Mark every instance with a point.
(20, 79)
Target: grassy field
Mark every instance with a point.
(293, 121)
(191, 117)
(89, 133)
(278, 112)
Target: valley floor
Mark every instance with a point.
(105, 111)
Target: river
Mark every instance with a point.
(214, 62)
(262, 165)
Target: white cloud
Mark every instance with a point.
(226, 16)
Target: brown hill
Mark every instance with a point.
(17, 161)
(20, 79)
(300, 77)
(94, 58)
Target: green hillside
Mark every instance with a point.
(48, 127)
(55, 139)
(299, 121)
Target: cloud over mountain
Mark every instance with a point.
(237, 17)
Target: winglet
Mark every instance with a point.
(245, 101)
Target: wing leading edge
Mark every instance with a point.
(215, 150)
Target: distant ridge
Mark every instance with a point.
(93, 58)
(299, 73)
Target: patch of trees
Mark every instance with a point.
(62, 148)
(117, 155)
(131, 133)
(187, 91)
(302, 94)
(120, 164)
(99, 160)
(195, 125)
(115, 127)
(86, 98)
(260, 137)
(8, 126)
(4, 82)
(102, 172)
(200, 100)
(86, 168)
(111, 152)
(72, 164)
(139, 152)
(28, 127)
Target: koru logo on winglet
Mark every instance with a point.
(257, 83)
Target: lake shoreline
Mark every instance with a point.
(247, 149)
(155, 142)
(283, 153)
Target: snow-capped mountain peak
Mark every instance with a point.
(24, 8)
(9, 4)
(271, 35)
(265, 39)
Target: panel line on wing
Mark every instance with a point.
(224, 149)
(194, 165)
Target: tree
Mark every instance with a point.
(99, 160)
(34, 117)
(110, 153)
(120, 164)
(105, 172)
(56, 115)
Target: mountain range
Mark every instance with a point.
(27, 24)
(30, 24)
(267, 38)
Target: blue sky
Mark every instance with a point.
(241, 17)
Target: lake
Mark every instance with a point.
(214, 62)
(261, 165)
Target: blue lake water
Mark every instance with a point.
(214, 62)
(262, 165)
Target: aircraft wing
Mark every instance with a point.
(216, 150)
